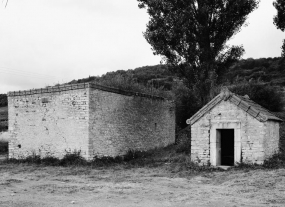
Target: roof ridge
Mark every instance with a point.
(67, 87)
(240, 102)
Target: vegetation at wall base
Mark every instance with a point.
(168, 160)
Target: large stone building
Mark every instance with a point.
(232, 129)
(96, 120)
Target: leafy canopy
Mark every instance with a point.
(279, 19)
(192, 34)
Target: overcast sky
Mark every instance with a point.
(44, 42)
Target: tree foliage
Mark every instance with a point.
(279, 19)
(192, 34)
(186, 103)
(266, 70)
(3, 100)
(265, 95)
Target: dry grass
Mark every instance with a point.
(164, 177)
(121, 185)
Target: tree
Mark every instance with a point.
(279, 19)
(192, 35)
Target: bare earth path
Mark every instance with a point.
(32, 186)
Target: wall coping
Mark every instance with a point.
(77, 86)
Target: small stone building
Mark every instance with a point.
(231, 129)
(96, 120)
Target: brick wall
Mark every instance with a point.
(48, 123)
(119, 123)
(252, 133)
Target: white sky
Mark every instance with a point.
(44, 42)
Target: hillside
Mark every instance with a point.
(267, 70)
(158, 80)
(157, 76)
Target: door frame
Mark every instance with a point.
(215, 159)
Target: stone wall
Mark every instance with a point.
(48, 123)
(281, 130)
(97, 120)
(200, 141)
(252, 133)
(119, 123)
(271, 140)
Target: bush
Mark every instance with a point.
(73, 158)
(276, 161)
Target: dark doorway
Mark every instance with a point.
(227, 147)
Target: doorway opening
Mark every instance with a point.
(227, 147)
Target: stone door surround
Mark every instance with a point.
(215, 143)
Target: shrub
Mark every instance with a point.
(275, 161)
(73, 158)
(50, 160)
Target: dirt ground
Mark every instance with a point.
(35, 186)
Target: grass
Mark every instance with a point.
(172, 160)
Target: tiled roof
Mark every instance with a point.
(243, 102)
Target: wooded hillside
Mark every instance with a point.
(262, 79)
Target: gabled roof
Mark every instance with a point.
(243, 102)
